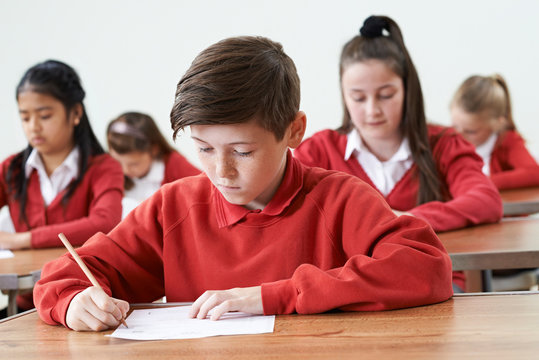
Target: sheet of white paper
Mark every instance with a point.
(5, 254)
(173, 323)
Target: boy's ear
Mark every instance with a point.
(297, 130)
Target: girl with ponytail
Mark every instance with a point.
(481, 112)
(420, 169)
(63, 181)
(425, 170)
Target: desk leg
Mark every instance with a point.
(486, 279)
(12, 303)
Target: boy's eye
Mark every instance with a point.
(204, 150)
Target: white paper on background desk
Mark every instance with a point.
(173, 323)
(6, 254)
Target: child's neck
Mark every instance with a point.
(52, 161)
(383, 149)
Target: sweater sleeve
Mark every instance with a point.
(389, 262)
(105, 186)
(517, 168)
(474, 198)
(127, 263)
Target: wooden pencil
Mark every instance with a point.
(82, 265)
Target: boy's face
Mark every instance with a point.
(245, 161)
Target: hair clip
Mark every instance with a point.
(373, 26)
(123, 128)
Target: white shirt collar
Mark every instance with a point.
(71, 162)
(59, 179)
(146, 186)
(383, 174)
(485, 151)
(354, 143)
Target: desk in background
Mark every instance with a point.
(520, 201)
(483, 326)
(509, 244)
(22, 271)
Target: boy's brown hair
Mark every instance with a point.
(236, 80)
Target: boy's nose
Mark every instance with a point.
(225, 168)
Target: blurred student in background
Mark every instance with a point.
(424, 170)
(481, 112)
(148, 160)
(62, 181)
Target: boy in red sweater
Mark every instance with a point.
(257, 231)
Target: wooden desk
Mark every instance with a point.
(23, 270)
(492, 326)
(509, 244)
(520, 201)
(512, 243)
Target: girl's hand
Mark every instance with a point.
(219, 302)
(15, 241)
(93, 310)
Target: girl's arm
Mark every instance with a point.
(474, 198)
(512, 166)
(103, 182)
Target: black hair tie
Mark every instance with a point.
(373, 27)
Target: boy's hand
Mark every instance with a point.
(93, 310)
(248, 300)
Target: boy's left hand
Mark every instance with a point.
(248, 300)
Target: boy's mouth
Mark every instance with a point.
(228, 187)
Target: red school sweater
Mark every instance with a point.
(94, 206)
(473, 197)
(511, 165)
(326, 240)
(177, 167)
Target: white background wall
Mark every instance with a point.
(131, 54)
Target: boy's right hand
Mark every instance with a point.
(93, 310)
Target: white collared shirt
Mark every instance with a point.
(485, 151)
(60, 177)
(146, 186)
(384, 174)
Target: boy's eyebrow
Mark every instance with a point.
(232, 143)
